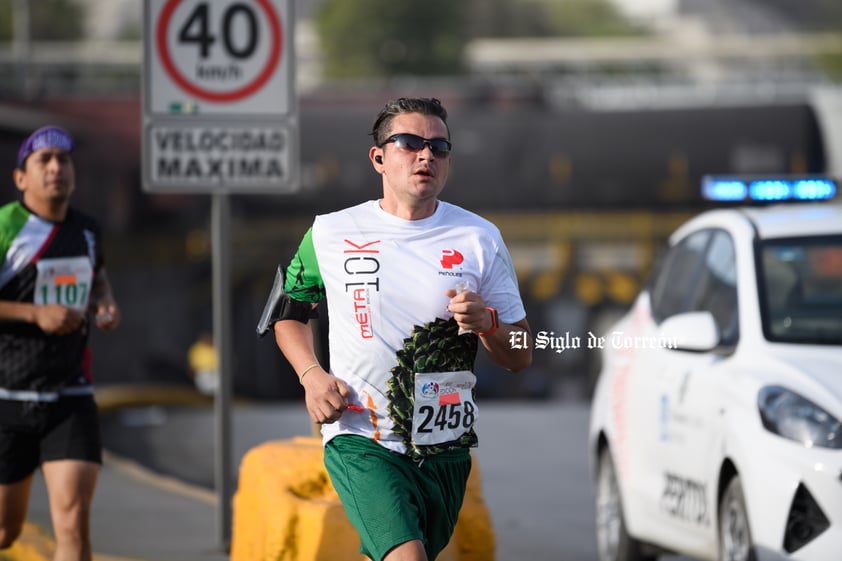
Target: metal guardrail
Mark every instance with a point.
(103, 65)
(488, 55)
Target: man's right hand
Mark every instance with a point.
(58, 319)
(326, 396)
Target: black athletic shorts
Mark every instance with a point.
(35, 432)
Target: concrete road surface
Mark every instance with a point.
(532, 457)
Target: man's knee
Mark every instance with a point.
(72, 521)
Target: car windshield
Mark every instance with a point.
(800, 282)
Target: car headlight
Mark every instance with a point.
(787, 414)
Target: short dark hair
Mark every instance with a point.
(402, 105)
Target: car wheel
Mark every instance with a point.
(613, 543)
(734, 532)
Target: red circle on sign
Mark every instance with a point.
(209, 95)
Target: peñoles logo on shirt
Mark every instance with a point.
(450, 257)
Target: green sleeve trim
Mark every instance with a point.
(13, 217)
(303, 279)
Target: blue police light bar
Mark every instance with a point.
(768, 189)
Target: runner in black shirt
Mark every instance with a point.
(53, 288)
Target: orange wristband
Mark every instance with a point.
(494, 324)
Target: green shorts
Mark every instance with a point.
(390, 499)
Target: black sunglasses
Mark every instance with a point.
(406, 141)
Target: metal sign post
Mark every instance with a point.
(220, 118)
(222, 322)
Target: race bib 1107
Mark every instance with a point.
(66, 281)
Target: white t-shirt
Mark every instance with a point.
(384, 279)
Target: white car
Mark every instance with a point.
(715, 424)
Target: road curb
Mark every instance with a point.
(37, 544)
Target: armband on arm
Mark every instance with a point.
(280, 306)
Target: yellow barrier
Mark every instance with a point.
(34, 544)
(286, 508)
(114, 398)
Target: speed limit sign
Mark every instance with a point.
(219, 96)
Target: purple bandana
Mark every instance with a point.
(45, 137)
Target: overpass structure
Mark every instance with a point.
(495, 55)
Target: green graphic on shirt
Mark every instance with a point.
(303, 280)
(435, 347)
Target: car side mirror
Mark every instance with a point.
(690, 331)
